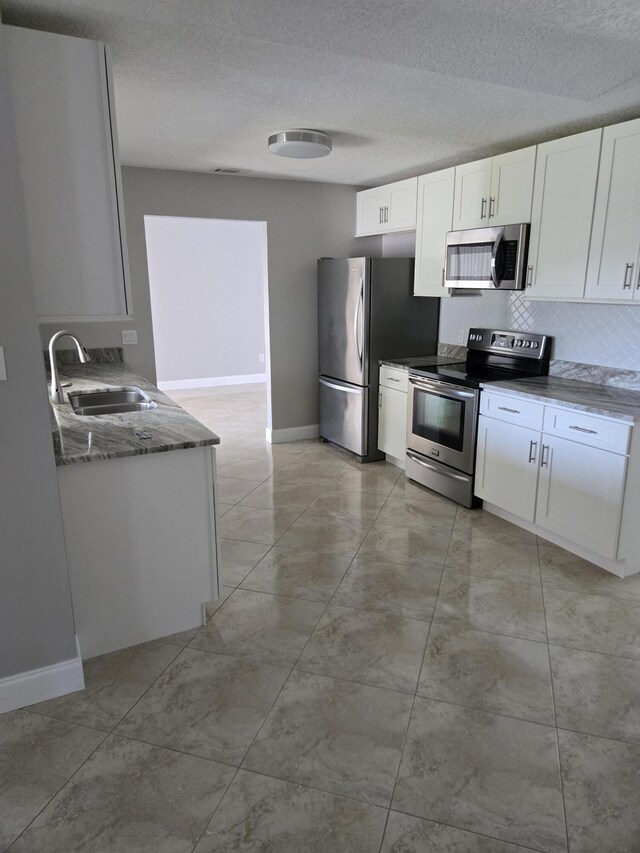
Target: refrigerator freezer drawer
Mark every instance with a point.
(343, 414)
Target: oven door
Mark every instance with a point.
(442, 421)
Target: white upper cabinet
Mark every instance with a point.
(563, 200)
(495, 191)
(512, 187)
(435, 212)
(70, 172)
(613, 271)
(471, 202)
(383, 210)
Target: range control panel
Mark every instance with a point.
(523, 344)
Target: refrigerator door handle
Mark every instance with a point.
(357, 323)
(340, 387)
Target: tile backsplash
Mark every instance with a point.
(589, 333)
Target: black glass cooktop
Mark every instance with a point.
(470, 376)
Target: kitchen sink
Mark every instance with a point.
(111, 402)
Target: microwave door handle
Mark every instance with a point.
(494, 253)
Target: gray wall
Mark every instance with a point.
(207, 286)
(36, 621)
(304, 221)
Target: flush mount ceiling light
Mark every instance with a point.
(299, 143)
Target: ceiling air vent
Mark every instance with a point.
(228, 171)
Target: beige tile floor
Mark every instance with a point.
(386, 672)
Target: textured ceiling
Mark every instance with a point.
(402, 86)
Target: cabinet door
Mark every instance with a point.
(615, 242)
(400, 214)
(580, 494)
(392, 422)
(370, 211)
(507, 466)
(512, 187)
(563, 200)
(435, 212)
(69, 169)
(471, 203)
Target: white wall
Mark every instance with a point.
(36, 620)
(607, 335)
(206, 280)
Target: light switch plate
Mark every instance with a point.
(3, 368)
(129, 336)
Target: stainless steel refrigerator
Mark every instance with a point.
(366, 312)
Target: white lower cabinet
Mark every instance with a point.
(580, 494)
(507, 470)
(141, 542)
(569, 488)
(392, 413)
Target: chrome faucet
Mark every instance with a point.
(57, 394)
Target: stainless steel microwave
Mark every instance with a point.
(487, 258)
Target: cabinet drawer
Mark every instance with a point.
(588, 429)
(515, 410)
(394, 377)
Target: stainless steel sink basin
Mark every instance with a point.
(111, 402)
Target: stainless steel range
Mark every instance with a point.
(443, 406)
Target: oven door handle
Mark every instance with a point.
(442, 388)
(438, 469)
(494, 254)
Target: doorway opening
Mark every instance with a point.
(208, 292)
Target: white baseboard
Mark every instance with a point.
(211, 381)
(37, 685)
(279, 436)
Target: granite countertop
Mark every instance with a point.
(610, 401)
(91, 438)
(416, 361)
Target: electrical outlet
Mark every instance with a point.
(129, 336)
(460, 336)
(261, 358)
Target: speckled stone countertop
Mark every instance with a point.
(90, 438)
(416, 361)
(620, 403)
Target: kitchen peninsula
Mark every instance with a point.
(137, 491)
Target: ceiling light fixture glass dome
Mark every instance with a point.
(300, 143)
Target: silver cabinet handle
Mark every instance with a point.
(443, 278)
(492, 205)
(391, 379)
(583, 429)
(483, 208)
(529, 276)
(380, 399)
(533, 449)
(380, 220)
(386, 214)
(544, 461)
(627, 278)
(505, 409)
